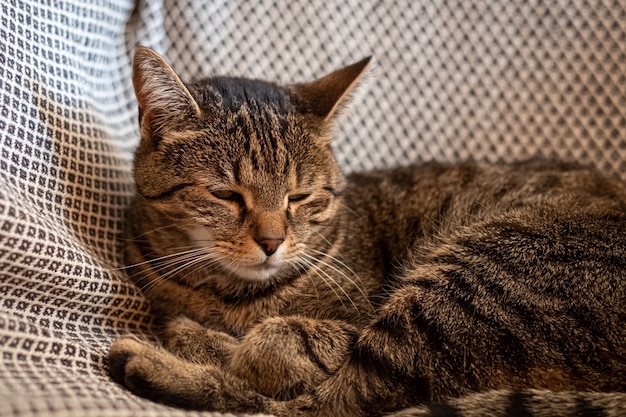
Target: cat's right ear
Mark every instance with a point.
(326, 97)
(165, 103)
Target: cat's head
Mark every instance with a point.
(244, 168)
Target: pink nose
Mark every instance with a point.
(270, 245)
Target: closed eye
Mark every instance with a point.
(298, 197)
(227, 195)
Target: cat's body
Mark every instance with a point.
(323, 295)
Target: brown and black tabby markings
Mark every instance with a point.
(289, 289)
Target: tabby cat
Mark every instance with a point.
(286, 288)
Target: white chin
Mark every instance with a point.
(254, 273)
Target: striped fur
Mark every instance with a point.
(537, 403)
(287, 289)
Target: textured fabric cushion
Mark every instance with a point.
(470, 79)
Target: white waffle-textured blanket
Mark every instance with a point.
(461, 79)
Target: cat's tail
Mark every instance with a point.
(530, 403)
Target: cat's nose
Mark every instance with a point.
(270, 245)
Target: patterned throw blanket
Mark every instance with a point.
(493, 81)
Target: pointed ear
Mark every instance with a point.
(327, 96)
(165, 103)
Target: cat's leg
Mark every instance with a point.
(159, 375)
(192, 341)
(283, 357)
(359, 387)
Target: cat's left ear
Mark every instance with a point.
(165, 103)
(326, 97)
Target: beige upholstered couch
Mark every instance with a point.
(460, 79)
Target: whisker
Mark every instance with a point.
(349, 209)
(324, 239)
(296, 262)
(180, 268)
(311, 266)
(158, 229)
(161, 267)
(150, 261)
(342, 273)
(313, 262)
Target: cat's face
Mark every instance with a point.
(250, 194)
(244, 169)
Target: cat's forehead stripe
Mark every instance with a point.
(261, 139)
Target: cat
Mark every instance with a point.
(287, 288)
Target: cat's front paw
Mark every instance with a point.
(151, 372)
(135, 364)
(190, 340)
(154, 373)
(120, 353)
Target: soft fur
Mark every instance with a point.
(287, 288)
